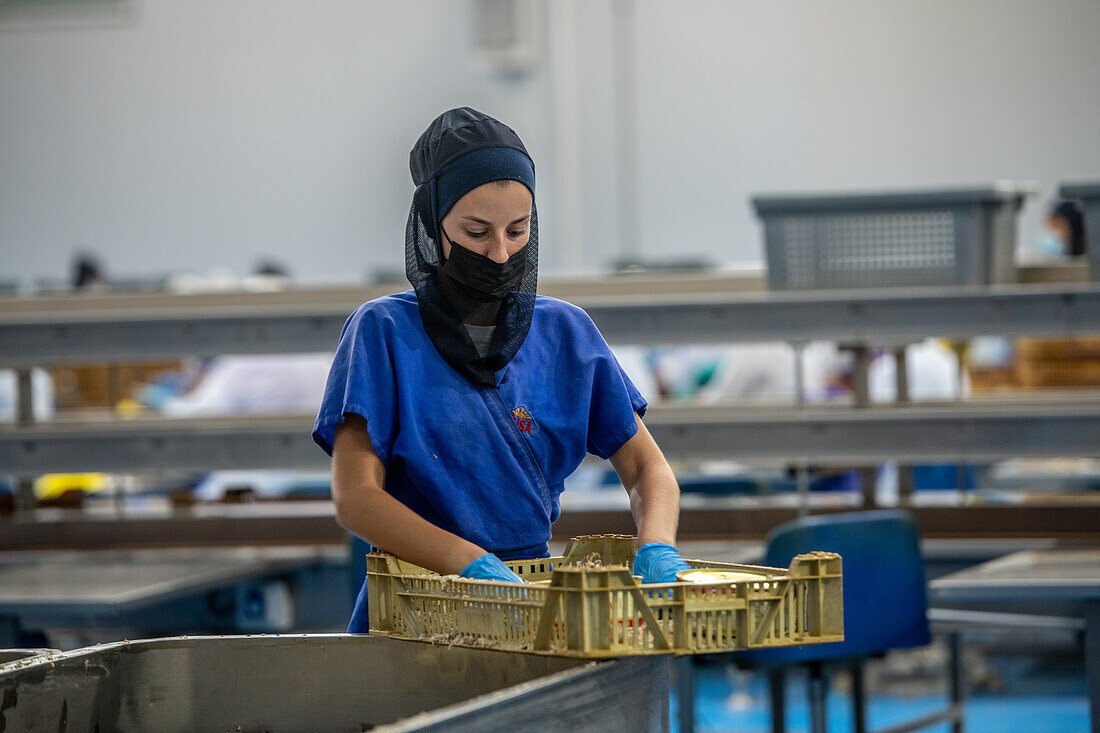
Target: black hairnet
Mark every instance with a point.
(443, 309)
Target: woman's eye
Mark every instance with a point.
(475, 235)
(514, 235)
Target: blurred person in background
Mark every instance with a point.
(455, 411)
(1063, 231)
(88, 273)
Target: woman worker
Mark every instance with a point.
(1063, 231)
(455, 411)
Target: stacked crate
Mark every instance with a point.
(1058, 362)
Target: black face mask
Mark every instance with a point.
(481, 278)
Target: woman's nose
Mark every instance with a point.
(498, 251)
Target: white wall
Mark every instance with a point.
(862, 94)
(175, 134)
(190, 134)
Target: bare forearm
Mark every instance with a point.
(654, 493)
(364, 507)
(389, 525)
(655, 504)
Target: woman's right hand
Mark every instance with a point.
(490, 567)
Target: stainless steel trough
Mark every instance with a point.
(322, 682)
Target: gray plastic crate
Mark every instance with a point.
(1088, 194)
(950, 237)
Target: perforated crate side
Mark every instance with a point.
(890, 240)
(602, 612)
(803, 608)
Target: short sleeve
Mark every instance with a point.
(361, 381)
(614, 402)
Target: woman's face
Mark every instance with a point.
(493, 220)
(1060, 226)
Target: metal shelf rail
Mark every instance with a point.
(43, 332)
(822, 436)
(70, 329)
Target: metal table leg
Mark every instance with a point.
(24, 416)
(9, 632)
(958, 678)
(859, 699)
(1092, 660)
(861, 368)
(901, 383)
(777, 684)
(685, 692)
(861, 395)
(818, 693)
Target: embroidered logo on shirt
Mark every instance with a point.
(524, 421)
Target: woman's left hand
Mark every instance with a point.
(658, 562)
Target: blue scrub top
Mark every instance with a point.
(487, 464)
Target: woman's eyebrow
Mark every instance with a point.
(489, 223)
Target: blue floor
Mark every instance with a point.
(730, 700)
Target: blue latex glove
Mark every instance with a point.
(490, 567)
(658, 562)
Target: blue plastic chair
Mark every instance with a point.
(885, 603)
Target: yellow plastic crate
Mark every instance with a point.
(572, 606)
